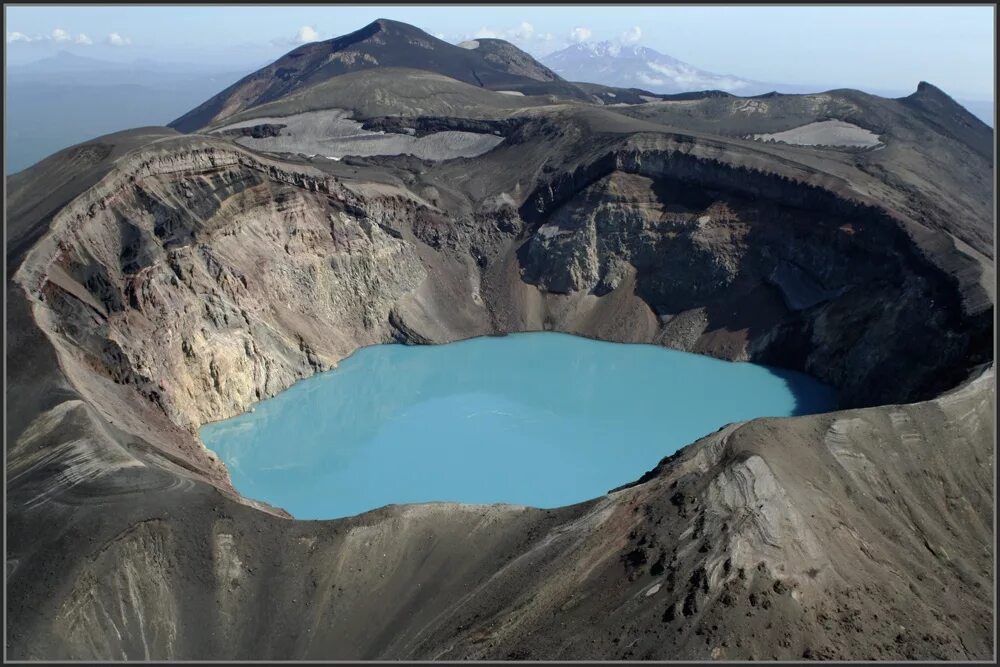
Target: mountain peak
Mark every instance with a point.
(387, 27)
(505, 56)
(634, 66)
(390, 25)
(929, 94)
(930, 90)
(943, 109)
(492, 64)
(611, 49)
(604, 48)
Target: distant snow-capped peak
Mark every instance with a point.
(612, 50)
(634, 66)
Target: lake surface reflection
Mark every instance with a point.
(541, 419)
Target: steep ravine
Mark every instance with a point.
(196, 279)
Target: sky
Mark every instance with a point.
(889, 48)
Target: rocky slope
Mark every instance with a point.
(170, 280)
(383, 43)
(849, 535)
(505, 55)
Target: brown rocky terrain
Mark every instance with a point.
(157, 281)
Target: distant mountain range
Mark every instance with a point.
(633, 66)
(614, 64)
(67, 98)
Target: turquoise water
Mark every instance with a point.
(541, 419)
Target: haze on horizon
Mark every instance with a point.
(877, 49)
(74, 73)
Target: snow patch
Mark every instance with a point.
(333, 134)
(825, 133)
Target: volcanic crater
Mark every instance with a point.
(159, 280)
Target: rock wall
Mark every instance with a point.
(208, 289)
(210, 279)
(197, 278)
(770, 273)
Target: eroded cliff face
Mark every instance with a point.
(208, 280)
(211, 290)
(823, 286)
(198, 278)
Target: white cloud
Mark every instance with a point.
(580, 34)
(632, 36)
(57, 35)
(523, 35)
(672, 72)
(439, 35)
(524, 31)
(488, 33)
(649, 80)
(114, 39)
(306, 34)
